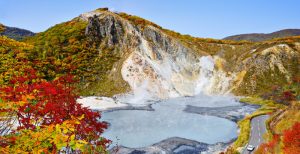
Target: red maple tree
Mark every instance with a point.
(52, 102)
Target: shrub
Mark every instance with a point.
(291, 139)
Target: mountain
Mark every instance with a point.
(113, 53)
(256, 37)
(16, 33)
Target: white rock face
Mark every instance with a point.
(87, 15)
(157, 65)
(172, 71)
(210, 80)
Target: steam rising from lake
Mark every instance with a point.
(163, 79)
(169, 89)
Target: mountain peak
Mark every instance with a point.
(85, 16)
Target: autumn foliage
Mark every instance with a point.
(285, 94)
(270, 147)
(291, 140)
(287, 143)
(31, 107)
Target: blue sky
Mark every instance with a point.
(201, 18)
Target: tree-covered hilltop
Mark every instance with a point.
(65, 48)
(15, 33)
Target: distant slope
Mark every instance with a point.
(256, 37)
(16, 33)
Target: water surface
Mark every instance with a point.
(139, 128)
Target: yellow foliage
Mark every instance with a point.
(288, 118)
(14, 106)
(47, 139)
(2, 28)
(7, 44)
(10, 53)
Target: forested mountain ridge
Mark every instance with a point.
(15, 33)
(256, 37)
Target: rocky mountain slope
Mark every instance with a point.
(256, 37)
(16, 33)
(115, 53)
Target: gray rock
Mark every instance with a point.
(233, 113)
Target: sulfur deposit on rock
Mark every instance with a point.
(165, 65)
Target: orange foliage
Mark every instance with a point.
(270, 147)
(291, 140)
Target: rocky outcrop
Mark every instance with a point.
(173, 145)
(154, 62)
(162, 66)
(233, 113)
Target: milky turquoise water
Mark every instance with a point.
(137, 128)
